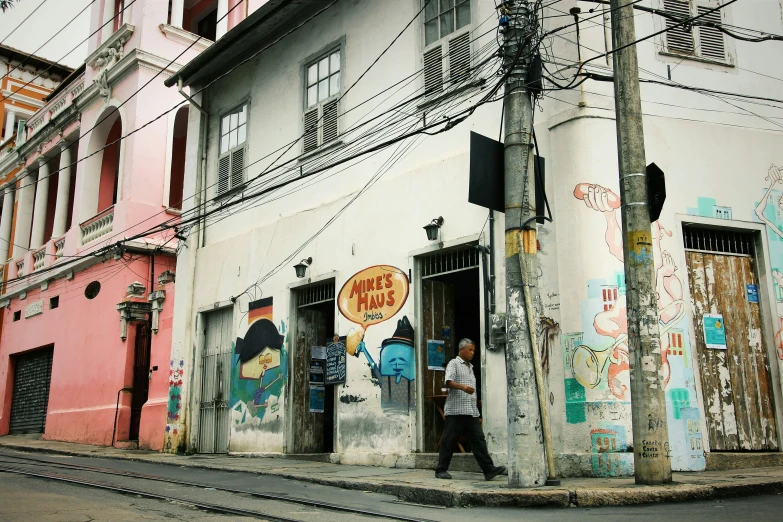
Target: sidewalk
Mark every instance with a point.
(465, 489)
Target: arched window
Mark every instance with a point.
(110, 168)
(178, 143)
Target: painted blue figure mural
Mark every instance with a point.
(397, 372)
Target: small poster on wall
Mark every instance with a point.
(317, 371)
(714, 331)
(436, 355)
(317, 398)
(318, 352)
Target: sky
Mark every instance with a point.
(48, 20)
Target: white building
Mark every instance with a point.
(268, 126)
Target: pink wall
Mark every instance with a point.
(91, 363)
(237, 15)
(109, 170)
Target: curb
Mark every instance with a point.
(446, 497)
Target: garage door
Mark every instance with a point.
(31, 391)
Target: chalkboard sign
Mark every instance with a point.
(335, 362)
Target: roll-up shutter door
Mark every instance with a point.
(31, 392)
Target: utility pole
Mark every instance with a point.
(648, 404)
(525, 443)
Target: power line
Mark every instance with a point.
(6, 37)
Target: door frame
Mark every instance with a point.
(414, 261)
(198, 351)
(288, 439)
(766, 303)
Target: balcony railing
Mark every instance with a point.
(98, 226)
(39, 259)
(59, 246)
(20, 268)
(55, 106)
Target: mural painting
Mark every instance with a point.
(259, 370)
(597, 368)
(372, 296)
(174, 406)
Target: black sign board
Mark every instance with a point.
(335, 362)
(656, 190)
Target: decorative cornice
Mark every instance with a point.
(111, 51)
(179, 35)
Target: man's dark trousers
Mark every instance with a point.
(456, 426)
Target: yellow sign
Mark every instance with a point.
(373, 295)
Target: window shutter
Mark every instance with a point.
(459, 57)
(237, 167)
(433, 71)
(311, 130)
(679, 39)
(330, 122)
(224, 168)
(21, 127)
(710, 39)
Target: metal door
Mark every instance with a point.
(31, 391)
(141, 377)
(215, 382)
(736, 381)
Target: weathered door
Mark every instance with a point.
(736, 381)
(308, 429)
(437, 314)
(141, 377)
(215, 382)
(30, 399)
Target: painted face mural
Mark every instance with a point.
(259, 370)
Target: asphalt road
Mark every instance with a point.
(32, 498)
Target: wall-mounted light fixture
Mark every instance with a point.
(433, 228)
(301, 267)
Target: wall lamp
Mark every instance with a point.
(301, 267)
(433, 228)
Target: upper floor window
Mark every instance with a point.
(699, 41)
(322, 88)
(443, 17)
(233, 136)
(443, 21)
(119, 12)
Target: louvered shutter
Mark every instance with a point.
(237, 167)
(710, 39)
(459, 57)
(329, 122)
(433, 71)
(311, 130)
(678, 39)
(224, 173)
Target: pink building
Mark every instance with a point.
(85, 344)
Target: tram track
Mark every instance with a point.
(16, 464)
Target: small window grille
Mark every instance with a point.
(718, 240)
(315, 294)
(54, 302)
(704, 42)
(17, 315)
(454, 260)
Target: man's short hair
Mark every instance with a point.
(465, 342)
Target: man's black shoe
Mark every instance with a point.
(494, 472)
(444, 474)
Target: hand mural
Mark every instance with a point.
(588, 364)
(774, 177)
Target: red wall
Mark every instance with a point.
(177, 172)
(51, 202)
(109, 169)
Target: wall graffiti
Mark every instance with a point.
(372, 296)
(597, 360)
(259, 367)
(174, 406)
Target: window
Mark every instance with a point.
(443, 20)
(699, 41)
(322, 88)
(233, 135)
(119, 10)
(54, 302)
(21, 128)
(17, 315)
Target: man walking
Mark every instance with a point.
(462, 415)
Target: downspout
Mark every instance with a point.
(203, 170)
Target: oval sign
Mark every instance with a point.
(373, 295)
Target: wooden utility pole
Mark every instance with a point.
(525, 441)
(648, 403)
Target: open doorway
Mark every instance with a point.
(451, 311)
(314, 315)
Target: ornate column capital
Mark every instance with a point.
(63, 144)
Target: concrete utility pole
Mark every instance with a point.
(648, 404)
(525, 445)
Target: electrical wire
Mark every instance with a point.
(6, 37)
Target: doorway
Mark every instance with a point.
(141, 377)
(30, 399)
(451, 311)
(213, 418)
(730, 342)
(313, 431)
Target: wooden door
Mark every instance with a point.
(437, 320)
(736, 382)
(141, 377)
(308, 428)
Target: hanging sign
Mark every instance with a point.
(436, 355)
(753, 293)
(317, 371)
(373, 295)
(317, 398)
(335, 362)
(714, 331)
